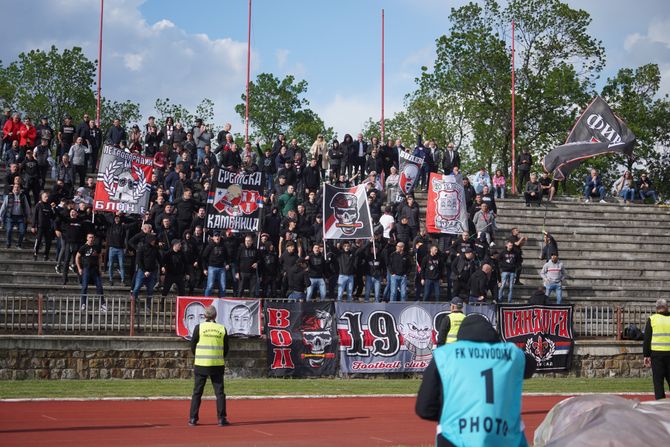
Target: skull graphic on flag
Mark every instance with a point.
(407, 177)
(345, 210)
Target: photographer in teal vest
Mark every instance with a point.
(210, 345)
(472, 387)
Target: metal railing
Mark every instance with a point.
(63, 314)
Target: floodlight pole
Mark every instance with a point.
(382, 140)
(97, 109)
(246, 112)
(513, 118)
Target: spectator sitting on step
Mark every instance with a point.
(499, 184)
(624, 187)
(482, 178)
(547, 186)
(489, 198)
(533, 191)
(485, 222)
(593, 187)
(646, 189)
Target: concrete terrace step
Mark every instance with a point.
(567, 230)
(572, 221)
(533, 251)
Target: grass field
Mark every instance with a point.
(276, 387)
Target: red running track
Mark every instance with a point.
(350, 422)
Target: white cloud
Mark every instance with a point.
(141, 61)
(348, 114)
(282, 56)
(652, 47)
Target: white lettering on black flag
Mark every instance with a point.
(598, 131)
(346, 213)
(235, 201)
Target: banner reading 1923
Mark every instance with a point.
(543, 332)
(235, 201)
(384, 338)
(123, 182)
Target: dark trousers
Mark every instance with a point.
(199, 387)
(522, 178)
(80, 171)
(248, 281)
(660, 370)
(178, 280)
(46, 235)
(91, 274)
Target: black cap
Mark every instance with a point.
(216, 233)
(456, 301)
(176, 241)
(44, 117)
(467, 250)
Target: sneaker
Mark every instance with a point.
(34, 256)
(72, 268)
(103, 308)
(58, 269)
(19, 247)
(83, 307)
(587, 200)
(603, 201)
(223, 422)
(492, 244)
(527, 205)
(192, 422)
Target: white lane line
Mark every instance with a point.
(380, 439)
(49, 417)
(263, 433)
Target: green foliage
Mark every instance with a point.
(466, 97)
(278, 106)
(51, 83)
(127, 111)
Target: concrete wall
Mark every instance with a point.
(85, 357)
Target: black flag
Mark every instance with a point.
(598, 131)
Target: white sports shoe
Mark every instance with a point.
(602, 201)
(587, 200)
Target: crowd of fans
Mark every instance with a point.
(169, 245)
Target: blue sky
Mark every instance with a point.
(188, 50)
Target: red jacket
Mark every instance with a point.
(12, 127)
(28, 136)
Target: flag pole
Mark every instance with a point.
(246, 112)
(382, 140)
(97, 109)
(513, 130)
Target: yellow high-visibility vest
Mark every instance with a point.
(209, 350)
(456, 319)
(660, 332)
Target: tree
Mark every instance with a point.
(469, 86)
(179, 113)
(127, 111)
(632, 94)
(50, 83)
(278, 106)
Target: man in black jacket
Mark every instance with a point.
(215, 264)
(247, 265)
(462, 268)
(116, 235)
(345, 260)
(399, 264)
(269, 271)
(451, 159)
(297, 280)
(317, 270)
(44, 219)
(147, 269)
(185, 207)
(524, 163)
(431, 272)
(173, 266)
(508, 263)
(479, 284)
(70, 229)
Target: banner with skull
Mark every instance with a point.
(241, 317)
(446, 211)
(235, 201)
(301, 339)
(123, 182)
(543, 332)
(410, 168)
(388, 337)
(346, 213)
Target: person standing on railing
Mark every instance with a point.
(89, 267)
(656, 347)
(147, 269)
(210, 345)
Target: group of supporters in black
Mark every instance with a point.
(169, 245)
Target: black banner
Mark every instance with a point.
(235, 201)
(346, 213)
(543, 332)
(598, 131)
(301, 339)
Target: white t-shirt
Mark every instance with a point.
(385, 221)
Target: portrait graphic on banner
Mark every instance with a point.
(346, 213)
(446, 210)
(241, 317)
(383, 338)
(235, 201)
(301, 339)
(543, 332)
(410, 167)
(123, 182)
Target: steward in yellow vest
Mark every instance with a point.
(210, 345)
(656, 347)
(450, 325)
